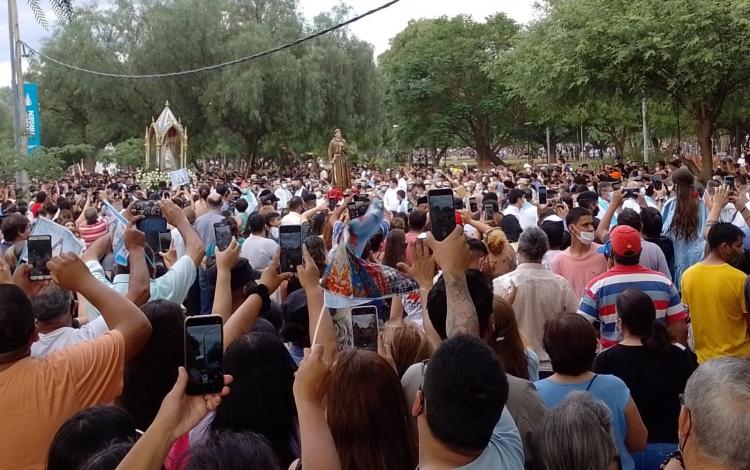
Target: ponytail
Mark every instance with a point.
(656, 339)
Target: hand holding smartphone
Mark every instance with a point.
(39, 253)
(223, 233)
(204, 354)
(290, 240)
(365, 328)
(442, 213)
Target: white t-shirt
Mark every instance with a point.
(292, 218)
(259, 251)
(67, 336)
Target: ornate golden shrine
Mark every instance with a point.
(166, 142)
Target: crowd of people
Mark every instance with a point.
(575, 319)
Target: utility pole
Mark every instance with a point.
(645, 131)
(19, 110)
(548, 147)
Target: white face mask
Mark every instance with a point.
(587, 238)
(283, 185)
(318, 194)
(591, 188)
(275, 232)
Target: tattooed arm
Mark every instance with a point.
(453, 257)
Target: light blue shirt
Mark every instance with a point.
(687, 252)
(174, 285)
(505, 450)
(608, 388)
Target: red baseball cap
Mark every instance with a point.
(626, 241)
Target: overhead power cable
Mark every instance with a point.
(258, 55)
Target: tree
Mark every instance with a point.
(697, 53)
(63, 10)
(289, 101)
(439, 90)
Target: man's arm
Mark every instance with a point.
(243, 319)
(81, 217)
(320, 323)
(120, 314)
(176, 218)
(453, 256)
(603, 230)
(225, 261)
(139, 281)
(98, 249)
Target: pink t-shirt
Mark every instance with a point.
(580, 270)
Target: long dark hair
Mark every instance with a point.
(368, 416)
(506, 339)
(261, 400)
(685, 219)
(395, 248)
(151, 374)
(637, 313)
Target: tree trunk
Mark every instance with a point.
(486, 156)
(706, 127)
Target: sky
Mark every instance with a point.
(377, 29)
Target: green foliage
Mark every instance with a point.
(697, 53)
(439, 91)
(129, 153)
(287, 102)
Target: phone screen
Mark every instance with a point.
(489, 211)
(442, 213)
(365, 328)
(290, 240)
(729, 181)
(473, 204)
(40, 252)
(165, 241)
(542, 192)
(331, 203)
(656, 179)
(223, 235)
(152, 227)
(352, 207)
(204, 354)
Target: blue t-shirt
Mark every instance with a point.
(505, 450)
(608, 388)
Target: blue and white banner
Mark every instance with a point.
(33, 127)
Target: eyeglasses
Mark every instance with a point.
(681, 396)
(424, 368)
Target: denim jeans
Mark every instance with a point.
(207, 292)
(654, 455)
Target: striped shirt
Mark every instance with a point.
(598, 301)
(91, 233)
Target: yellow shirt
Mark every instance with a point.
(715, 296)
(39, 395)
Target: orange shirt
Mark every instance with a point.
(39, 395)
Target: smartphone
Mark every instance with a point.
(152, 227)
(365, 327)
(442, 213)
(165, 241)
(656, 180)
(410, 207)
(352, 207)
(729, 181)
(542, 193)
(39, 252)
(473, 204)
(489, 212)
(616, 185)
(223, 233)
(204, 354)
(290, 240)
(331, 203)
(148, 208)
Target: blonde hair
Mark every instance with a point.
(496, 242)
(408, 343)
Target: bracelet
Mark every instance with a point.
(262, 291)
